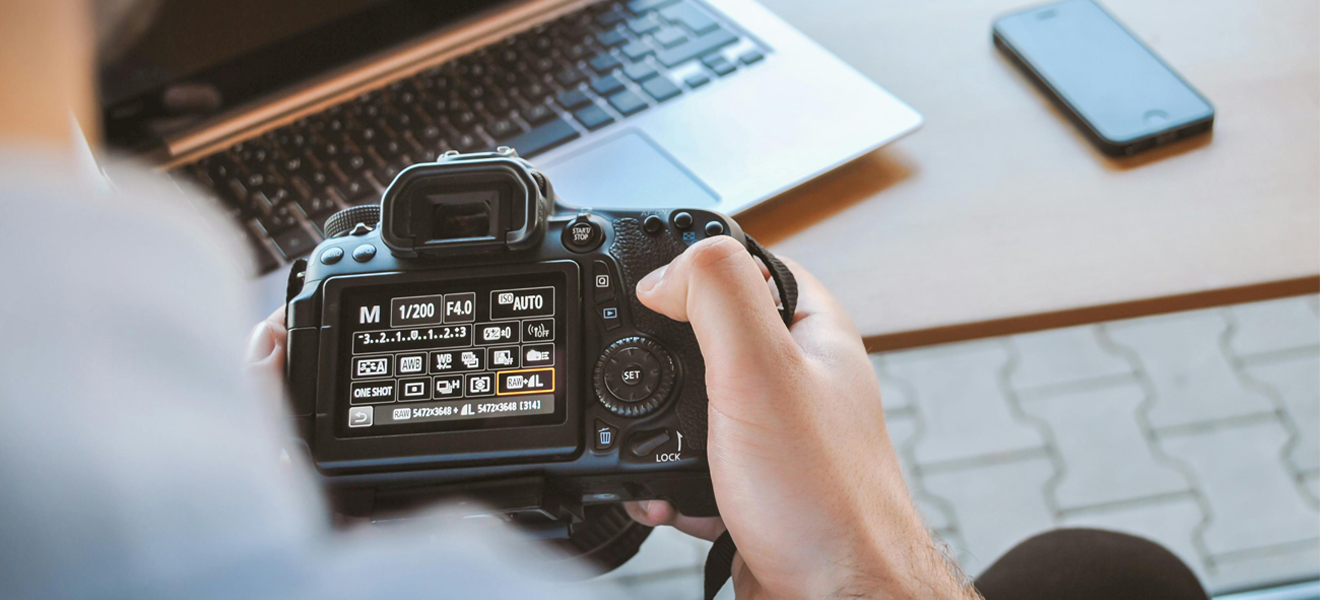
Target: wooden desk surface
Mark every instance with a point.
(998, 217)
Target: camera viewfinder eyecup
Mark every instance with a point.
(466, 204)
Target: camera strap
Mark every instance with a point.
(784, 281)
(719, 564)
(719, 561)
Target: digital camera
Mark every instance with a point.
(471, 337)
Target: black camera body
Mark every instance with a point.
(483, 341)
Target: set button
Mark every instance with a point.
(634, 376)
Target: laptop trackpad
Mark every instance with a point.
(627, 171)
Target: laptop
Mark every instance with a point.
(290, 110)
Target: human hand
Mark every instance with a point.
(265, 346)
(806, 477)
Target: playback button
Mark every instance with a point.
(609, 315)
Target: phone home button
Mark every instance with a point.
(1156, 118)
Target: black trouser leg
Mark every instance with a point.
(1089, 564)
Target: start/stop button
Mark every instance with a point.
(582, 234)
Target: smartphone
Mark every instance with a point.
(1111, 85)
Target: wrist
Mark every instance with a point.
(904, 562)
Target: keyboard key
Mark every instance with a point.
(750, 57)
(294, 243)
(279, 219)
(607, 85)
(695, 47)
(697, 80)
(319, 221)
(670, 36)
(317, 205)
(639, 72)
(636, 51)
(661, 88)
(640, 6)
(610, 18)
(643, 25)
(605, 63)
(720, 65)
(262, 259)
(627, 103)
(535, 91)
(543, 138)
(467, 143)
(690, 16)
(538, 113)
(570, 76)
(502, 129)
(612, 38)
(593, 117)
(573, 99)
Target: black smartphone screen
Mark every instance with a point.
(1112, 82)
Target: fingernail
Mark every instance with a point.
(651, 280)
(261, 343)
(645, 505)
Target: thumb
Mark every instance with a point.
(717, 287)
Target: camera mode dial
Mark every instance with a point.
(634, 376)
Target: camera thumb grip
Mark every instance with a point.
(783, 277)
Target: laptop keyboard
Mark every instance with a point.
(532, 91)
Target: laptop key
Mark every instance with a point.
(593, 117)
(690, 16)
(639, 6)
(661, 88)
(573, 99)
(612, 38)
(294, 243)
(318, 204)
(639, 71)
(262, 259)
(503, 129)
(279, 219)
(543, 138)
(570, 76)
(607, 85)
(537, 114)
(627, 103)
(467, 143)
(697, 80)
(720, 65)
(608, 18)
(636, 51)
(643, 25)
(669, 36)
(750, 57)
(695, 47)
(605, 63)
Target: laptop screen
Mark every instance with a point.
(207, 56)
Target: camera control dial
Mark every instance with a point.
(634, 376)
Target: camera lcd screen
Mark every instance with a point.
(476, 353)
